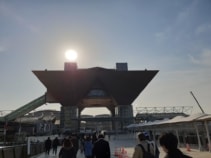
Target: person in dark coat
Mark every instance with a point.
(75, 141)
(169, 143)
(55, 145)
(101, 148)
(48, 145)
(67, 151)
(94, 137)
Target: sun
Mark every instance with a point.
(71, 55)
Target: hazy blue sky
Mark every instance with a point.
(173, 37)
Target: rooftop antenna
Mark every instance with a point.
(197, 102)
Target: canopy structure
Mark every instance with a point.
(191, 123)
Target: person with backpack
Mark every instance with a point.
(169, 143)
(143, 149)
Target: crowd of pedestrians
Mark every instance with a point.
(92, 146)
(95, 146)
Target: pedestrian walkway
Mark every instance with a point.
(128, 142)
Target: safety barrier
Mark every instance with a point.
(20, 151)
(36, 148)
(13, 152)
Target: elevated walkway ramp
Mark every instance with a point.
(24, 109)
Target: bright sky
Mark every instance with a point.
(173, 37)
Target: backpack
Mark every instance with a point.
(146, 154)
(156, 150)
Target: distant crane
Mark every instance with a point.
(197, 102)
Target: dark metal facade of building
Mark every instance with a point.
(76, 89)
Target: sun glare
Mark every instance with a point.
(71, 55)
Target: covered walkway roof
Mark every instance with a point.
(176, 120)
(196, 122)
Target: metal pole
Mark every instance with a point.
(5, 132)
(198, 136)
(208, 135)
(197, 102)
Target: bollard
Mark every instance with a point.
(188, 147)
(116, 152)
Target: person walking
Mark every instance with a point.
(94, 137)
(143, 149)
(81, 143)
(67, 151)
(169, 143)
(55, 145)
(88, 146)
(75, 141)
(48, 145)
(101, 148)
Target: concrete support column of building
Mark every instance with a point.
(113, 122)
(125, 113)
(69, 118)
(79, 118)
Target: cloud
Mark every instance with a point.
(187, 12)
(203, 59)
(161, 36)
(2, 49)
(20, 20)
(180, 25)
(203, 29)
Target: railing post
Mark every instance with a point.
(28, 145)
